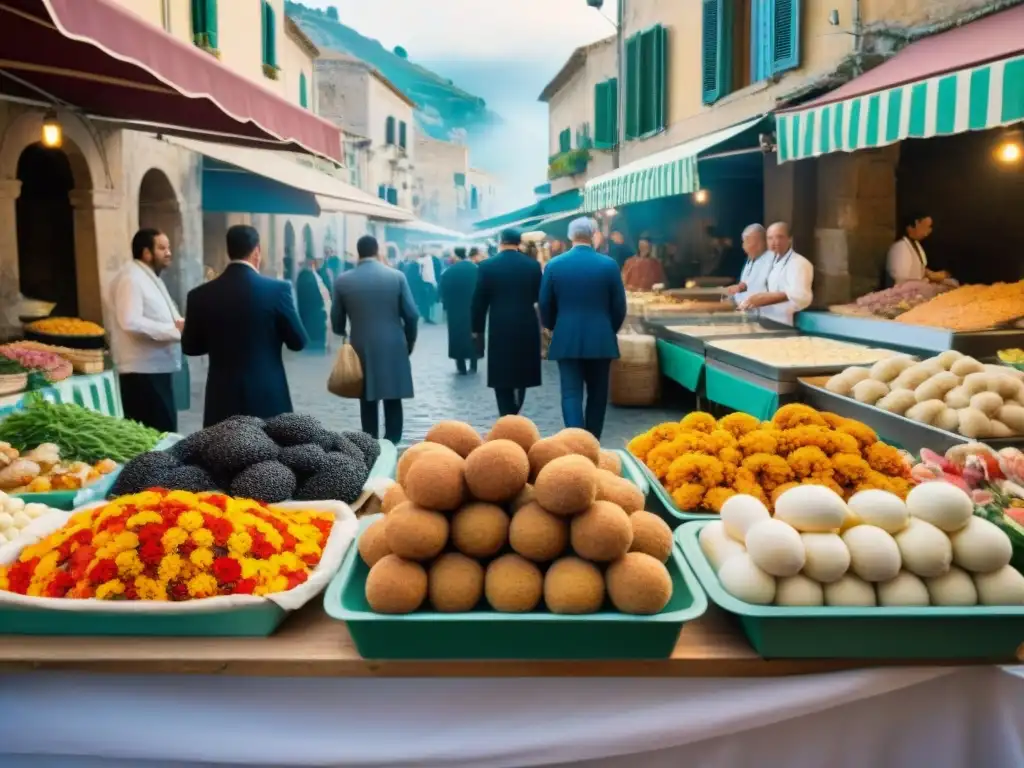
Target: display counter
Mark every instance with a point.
(99, 392)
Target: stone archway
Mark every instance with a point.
(289, 252)
(159, 209)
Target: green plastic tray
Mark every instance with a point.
(991, 633)
(387, 463)
(665, 506)
(485, 634)
(631, 471)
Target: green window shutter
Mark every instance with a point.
(660, 85)
(198, 19)
(303, 91)
(270, 35)
(786, 36)
(460, 179)
(612, 97)
(402, 137)
(565, 140)
(633, 87)
(601, 115)
(389, 131)
(265, 29)
(716, 50)
(211, 23)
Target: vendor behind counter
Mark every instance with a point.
(907, 259)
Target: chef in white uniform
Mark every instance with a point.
(907, 259)
(789, 280)
(754, 277)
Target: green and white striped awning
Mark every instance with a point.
(663, 174)
(971, 99)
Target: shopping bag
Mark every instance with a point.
(346, 379)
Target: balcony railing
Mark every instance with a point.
(571, 163)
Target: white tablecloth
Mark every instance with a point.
(895, 718)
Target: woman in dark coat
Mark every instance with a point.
(458, 283)
(313, 299)
(507, 290)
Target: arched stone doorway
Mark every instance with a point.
(308, 244)
(289, 252)
(159, 209)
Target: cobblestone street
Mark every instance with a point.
(440, 394)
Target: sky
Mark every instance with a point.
(504, 51)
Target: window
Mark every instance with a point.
(646, 82)
(460, 179)
(745, 41)
(382, 191)
(402, 134)
(583, 139)
(269, 41)
(389, 131)
(392, 195)
(474, 198)
(303, 91)
(204, 23)
(565, 140)
(606, 114)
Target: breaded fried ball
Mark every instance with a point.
(611, 461)
(414, 533)
(567, 485)
(618, 490)
(545, 451)
(457, 435)
(651, 535)
(480, 529)
(638, 584)
(373, 542)
(437, 480)
(524, 497)
(497, 471)
(394, 585)
(393, 496)
(411, 454)
(456, 583)
(538, 535)
(513, 584)
(581, 442)
(518, 429)
(573, 586)
(602, 533)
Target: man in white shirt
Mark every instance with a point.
(146, 333)
(789, 280)
(754, 277)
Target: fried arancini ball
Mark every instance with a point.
(518, 429)
(393, 496)
(809, 461)
(410, 455)
(758, 441)
(689, 496)
(698, 421)
(545, 451)
(497, 471)
(738, 423)
(651, 535)
(437, 480)
(581, 442)
(512, 584)
(457, 435)
(574, 587)
(395, 586)
(695, 468)
(639, 584)
(373, 543)
(567, 486)
(602, 533)
(455, 583)
(797, 415)
(479, 529)
(610, 460)
(538, 535)
(619, 491)
(414, 533)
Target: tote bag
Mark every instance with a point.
(346, 379)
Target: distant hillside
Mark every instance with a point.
(445, 111)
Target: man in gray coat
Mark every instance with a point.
(375, 300)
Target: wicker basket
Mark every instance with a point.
(635, 376)
(13, 383)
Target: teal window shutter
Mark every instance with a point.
(382, 192)
(264, 28)
(716, 50)
(211, 23)
(785, 36)
(402, 138)
(460, 179)
(762, 12)
(659, 87)
(389, 131)
(633, 87)
(565, 140)
(474, 198)
(303, 90)
(269, 35)
(392, 195)
(198, 19)
(606, 114)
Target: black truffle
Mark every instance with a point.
(269, 481)
(190, 478)
(232, 450)
(342, 479)
(147, 470)
(304, 459)
(294, 429)
(368, 445)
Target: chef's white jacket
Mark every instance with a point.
(755, 275)
(793, 275)
(906, 261)
(143, 336)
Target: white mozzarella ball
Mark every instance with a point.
(943, 505)
(952, 588)
(811, 509)
(981, 546)
(799, 590)
(880, 508)
(716, 544)
(850, 591)
(874, 555)
(21, 519)
(6, 521)
(13, 504)
(828, 558)
(740, 512)
(905, 589)
(925, 550)
(1002, 587)
(776, 548)
(35, 510)
(3, 536)
(742, 579)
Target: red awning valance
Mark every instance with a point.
(105, 61)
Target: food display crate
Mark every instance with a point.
(990, 633)
(485, 634)
(387, 463)
(788, 374)
(696, 342)
(893, 428)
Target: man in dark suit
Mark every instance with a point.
(241, 320)
(507, 288)
(583, 303)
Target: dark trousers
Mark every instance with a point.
(369, 416)
(592, 378)
(149, 399)
(510, 401)
(464, 366)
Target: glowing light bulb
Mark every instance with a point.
(700, 196)
(53, 133)
(1010, 152)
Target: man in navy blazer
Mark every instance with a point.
(583, 304)
(241, 320)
